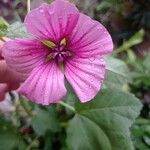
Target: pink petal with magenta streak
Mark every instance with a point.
(23, 55)
(45, 85)
(52, 21)
(90, 38)
(85, 76)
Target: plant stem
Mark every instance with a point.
(28, 6)
(32, 143)
(26, 107)
(67, 106)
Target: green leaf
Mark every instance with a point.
(103, 124)
(147, 140)
(140, 145)
(141, 71)
(141, 133)
(117, 73)
(16, 29)
(45, 121)
(109, 4)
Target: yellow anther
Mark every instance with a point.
(49, 57)
(49, 43)
(63, 41)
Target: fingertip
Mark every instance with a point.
(3, 89)
(7, 75)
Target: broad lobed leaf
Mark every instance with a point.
(103, 124)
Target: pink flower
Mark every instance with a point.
(67, 44)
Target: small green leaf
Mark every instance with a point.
(147, 140)
(3, 26)
(141, 71)
(16, 29)
(103, 124)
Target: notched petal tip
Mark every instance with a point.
(85, 76)
(52, 21)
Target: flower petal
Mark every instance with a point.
(90, 38)
(52, 21)
(85, 76)
(23, 55)
(45, 85)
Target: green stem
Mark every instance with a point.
(32, 143)
(26, 107)
(28, 6)
(67, 106)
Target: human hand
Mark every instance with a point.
(9, 80)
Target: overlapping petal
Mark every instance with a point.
(23, 55)
(85, 75)
(90, 38)
(52, 21)
(45, 85)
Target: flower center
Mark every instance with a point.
(59, 51)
